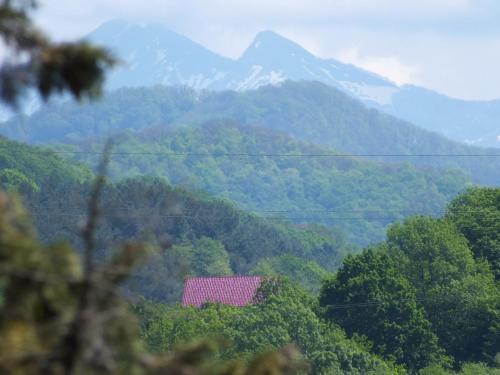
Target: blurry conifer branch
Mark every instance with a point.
(33, 61)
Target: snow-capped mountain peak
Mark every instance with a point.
(157, 55)
(267, 45)
(153, 54)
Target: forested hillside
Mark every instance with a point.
(369, 248)
(209, 236)
(308, 111)
(25, 168)
(429, 283)
(424, 301)
(248, 165)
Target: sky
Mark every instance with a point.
(451, 46)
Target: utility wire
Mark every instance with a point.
(182, 212)
(378, 303)
(271, 218)
(149, 215)
(244, 154)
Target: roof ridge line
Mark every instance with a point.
(223, 276)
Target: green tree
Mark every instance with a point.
(476, 214)
(432, 252)
(459, 295)
(206, 257)
(465, 316)
(308, 274)
(286, 315)
(467, 369)
(13, 179)
(371, 297)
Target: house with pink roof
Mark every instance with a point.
(229, 290)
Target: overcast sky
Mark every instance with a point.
(452, 46)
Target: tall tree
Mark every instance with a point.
(371, 297)
(458, 293)
(431, 251)
(476, 213)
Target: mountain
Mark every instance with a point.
(156, 55)
(472, 122)
(148, 209)
(245, 164)
(307, 111)
(56, 193)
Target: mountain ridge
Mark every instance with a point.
(157, 55)
(245, 164)
(308, 111)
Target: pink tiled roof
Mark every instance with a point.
(229, 290)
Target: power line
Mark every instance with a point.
(244, 154)
(67, 209)
(149, 215)
(378, 303)
(374, 210)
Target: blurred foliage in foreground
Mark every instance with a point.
(62, 315)
(33, 61)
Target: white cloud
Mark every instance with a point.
(387, 66)
(78, 14)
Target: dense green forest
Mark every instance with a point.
(62, 313)
(423, 301)
(357, 196)
(91, 270)
(229, 197)
(308, 111)
(426, 300)
(209, 236)
(25, 168)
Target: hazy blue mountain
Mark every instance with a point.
(156, 55)
(307, 111)
(473, 122)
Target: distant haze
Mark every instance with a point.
(451, 46)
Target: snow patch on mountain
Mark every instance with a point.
(200, 82)
(161, 56)
(310, 72)
(276, 78)
(251, 81)
(379, 94)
